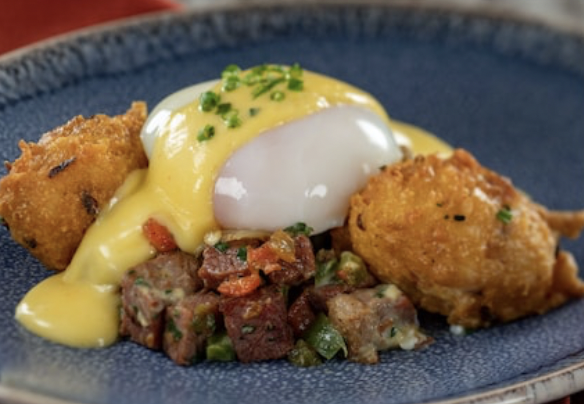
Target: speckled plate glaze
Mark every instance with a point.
(511, 92)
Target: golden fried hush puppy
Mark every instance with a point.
(56, 188)
(461, 241)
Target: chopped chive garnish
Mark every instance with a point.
(232, 119)
(242, 253)
(265, 86)
(139, 281)
(295, 71)
(231, 70)
(206, 133)
(173, 330)
(261, 79)
(231, 83)
(251, 79)
(224, 108)
(221, 246)
(275, 68)
(277, 96)
(260, 69)
(505, 215)
(298, 229)
(295, 84)
(208, 101)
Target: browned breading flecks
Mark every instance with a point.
(461, 241)
(56, 188)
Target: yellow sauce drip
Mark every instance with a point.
(80, 306)
(73, 313)
(418, 140)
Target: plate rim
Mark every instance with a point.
(30, 54)
(549, 386)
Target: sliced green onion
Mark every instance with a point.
(254, 111)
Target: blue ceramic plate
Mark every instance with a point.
(511, 92)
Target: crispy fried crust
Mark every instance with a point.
(431, 226)
(56, 188)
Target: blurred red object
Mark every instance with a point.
(23, 22)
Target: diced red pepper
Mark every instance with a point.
(159, 236)
(240, 286)
(264, 258)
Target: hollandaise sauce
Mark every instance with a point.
(79, 307)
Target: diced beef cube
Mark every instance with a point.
(292, 272)
(299, 271)
(189, 323)
(300, 314)
(148, 288)
(375, 319)
(319, 296)
(133, 325)
(221, 264)
(257, 325)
